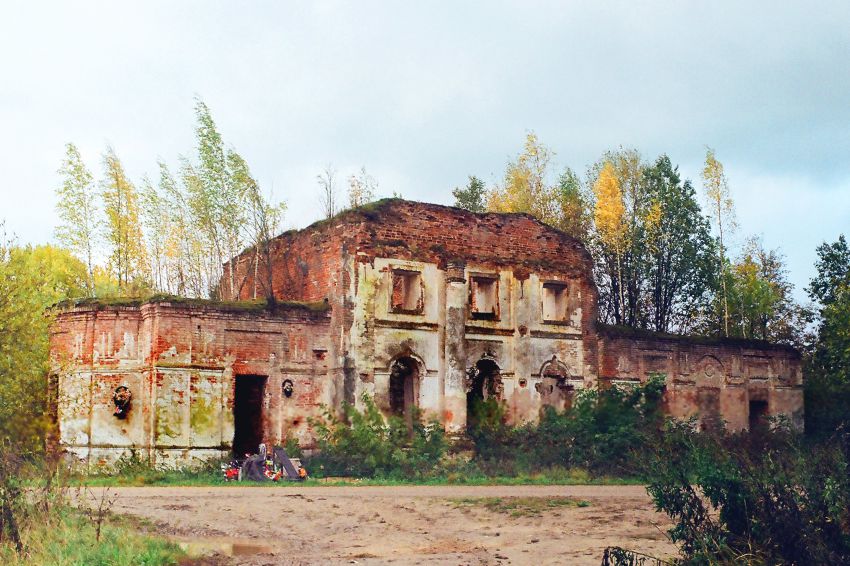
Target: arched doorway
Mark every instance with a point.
(483, 390)
(404, 388)
(555, 387)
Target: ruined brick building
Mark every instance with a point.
(417, 305)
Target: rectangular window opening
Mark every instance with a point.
(407, 292)
(484, 298)
(555, 302)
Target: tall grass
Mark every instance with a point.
(44, 521)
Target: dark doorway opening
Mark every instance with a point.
(248, 413)
(483, 391)
(758, 414)
(404, 388)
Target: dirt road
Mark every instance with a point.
(403, 525)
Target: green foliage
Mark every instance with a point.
(40, 526)
(122, 229)
(603, 433)
(833, 271)
(31, 280)
(70, 539)
(292, 447)
(77, 210)
(175, 234)
(828, 364)
(680, 252)
(763, 497)
(472, 197)
(574, 206)
(366, 444)
(655, 257)
(760, 302)
(530, 186)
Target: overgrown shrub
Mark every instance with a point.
(365, 444)
(603, 432)
(761, 498)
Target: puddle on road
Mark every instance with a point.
(198, 548)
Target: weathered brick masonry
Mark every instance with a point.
(180, 361)
(417, 305)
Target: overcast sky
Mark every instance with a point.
(425, 94)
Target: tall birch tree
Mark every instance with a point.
(78, 211)
(609, 217)
(122, 230)
(722, 210)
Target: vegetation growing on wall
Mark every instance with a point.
(176, 234)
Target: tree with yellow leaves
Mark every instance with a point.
(527, 188)
(609, 216)
(524, 188)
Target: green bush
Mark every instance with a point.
(763, 498)
(604, 432)
(365, 444)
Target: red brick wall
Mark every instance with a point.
(307, 263)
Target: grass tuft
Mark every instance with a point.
(518, 506)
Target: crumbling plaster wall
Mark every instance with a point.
(519, 341)
(348, 261)
(180, 363)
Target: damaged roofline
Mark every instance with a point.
(258, 306)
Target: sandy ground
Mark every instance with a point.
(400, 525)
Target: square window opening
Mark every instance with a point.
(555, 302)
(484, 298)
(407, 292)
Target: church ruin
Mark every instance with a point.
(417, 305)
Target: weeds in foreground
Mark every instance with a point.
(95, 507)
(761, 498)
(71, 539)
(41, 525)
